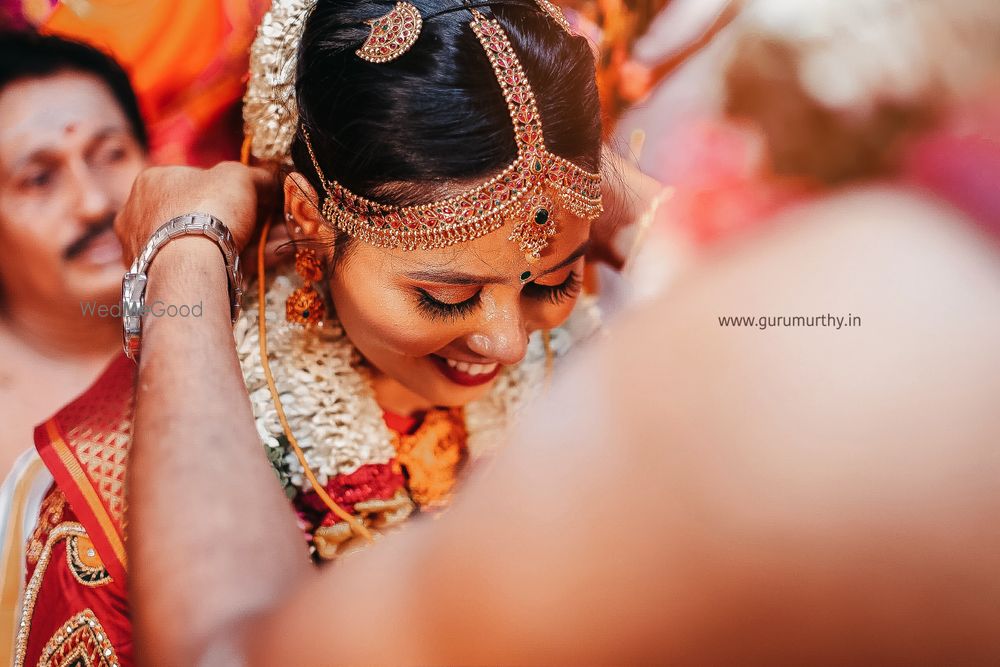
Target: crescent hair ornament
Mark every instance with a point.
(392, 35)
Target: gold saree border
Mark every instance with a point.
(59, 456)
(60, 532)
(12, 560)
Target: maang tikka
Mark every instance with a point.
(519, 193)
(393, 34)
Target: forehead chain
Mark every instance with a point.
(520, 192)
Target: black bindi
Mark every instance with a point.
(525, 276)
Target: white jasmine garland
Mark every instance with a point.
(328, 400)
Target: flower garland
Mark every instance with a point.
(329, 402)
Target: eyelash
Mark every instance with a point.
(440, 309)
(554, 294)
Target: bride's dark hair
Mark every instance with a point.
(435, 116)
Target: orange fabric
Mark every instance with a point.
(188, 61)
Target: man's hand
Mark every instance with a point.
(232, 192)
(627, 194)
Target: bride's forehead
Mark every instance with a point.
(494, 253)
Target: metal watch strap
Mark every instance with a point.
(134, 282)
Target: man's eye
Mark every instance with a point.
(39, 179)
(112, 155)
(564, 291)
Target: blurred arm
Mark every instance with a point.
(789, 495)
(728, 495)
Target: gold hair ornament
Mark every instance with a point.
(391, 35)
(510, 195)
(556, 14)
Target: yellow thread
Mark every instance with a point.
(549, 357)
(356, 525)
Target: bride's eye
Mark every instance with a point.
(436, 308)
(556, 294)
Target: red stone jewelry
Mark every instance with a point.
(392, 35)
(305, 304)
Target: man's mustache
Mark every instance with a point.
(78, 246)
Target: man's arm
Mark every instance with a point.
(199, 507)
(209, 537)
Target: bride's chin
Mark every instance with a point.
(448, 395)
(437, 389)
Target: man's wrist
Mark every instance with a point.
(190, 267)
(187, 253)
(137, 278)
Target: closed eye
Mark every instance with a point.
(437, 309)
(556, 294)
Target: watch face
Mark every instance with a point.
(133, 298)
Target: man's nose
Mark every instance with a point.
(93, 202)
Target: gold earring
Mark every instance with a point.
(305, 304)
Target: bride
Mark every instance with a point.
(441, 175)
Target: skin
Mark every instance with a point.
(68, 159)
(378, 293)
(782, 490)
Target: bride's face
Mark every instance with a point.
(444, 322)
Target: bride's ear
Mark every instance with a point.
(302, 214)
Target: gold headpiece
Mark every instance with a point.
(556, 14)
(392, 35)
(516, 193)
(519, 193)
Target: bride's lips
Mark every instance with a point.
(467, 375)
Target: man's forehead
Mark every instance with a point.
(52, 112)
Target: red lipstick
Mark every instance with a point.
(460, 377)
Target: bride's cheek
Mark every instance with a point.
(394, 323)
(547, 315)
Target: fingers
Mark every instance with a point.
(277, 249)
(236, 194)
(260, 180)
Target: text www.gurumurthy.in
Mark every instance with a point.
(773, 321)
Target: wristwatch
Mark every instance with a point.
(134, 282)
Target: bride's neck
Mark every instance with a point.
(393, 397)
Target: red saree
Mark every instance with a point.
(75, 609)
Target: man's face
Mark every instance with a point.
(68, 158)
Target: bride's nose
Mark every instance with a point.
(502, 338)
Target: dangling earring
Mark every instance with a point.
(305, 305)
